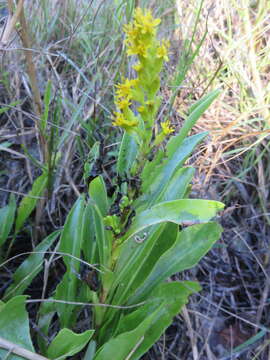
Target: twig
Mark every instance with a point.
(52, 252)
(18, 350)
(84, 304)
(191, 334)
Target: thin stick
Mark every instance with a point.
(191, 334)
(84, 304)
(12, 21)
(18, 350)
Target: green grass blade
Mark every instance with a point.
(30, 267)
(7, 215)
(29, 202)
(47, 99)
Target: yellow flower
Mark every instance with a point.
(122, 103)
(137, 67)
(131, 31)
(167, 128)
(145, 22)
(138, 49)
(162, 50)
(126, 124)
(123, 90)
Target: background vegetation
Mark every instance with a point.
(77, 55)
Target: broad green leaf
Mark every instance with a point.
(67, 343)
(136, 262)
(196, 113)
(14, 325)
(177, 144)
(88, 235)
(178, 184)
(191, 245)
(156, 183)
(121, 346)
(204, 100)
(30, 267)
(132, 258)
(70, 242)
(173, 296)
(7, 215)
(139, 259)
(103, 237)
(28, 203)
(98, 192)
(183, 211)
(127, 154)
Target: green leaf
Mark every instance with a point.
(122, 345)
(70, 243)
(30, 267)
(103, 237)
(138, 259)
(7, 215)
(177, 186)
(183, 211)
(91, 350)
(98, 192)
(205, 99)
(173, 296)
(67, 343)
(28, 203)
(127, 154)
(14, 325)
(191, 245)
(135, 263)
(155, 184)
(88, 235)
(196, 112)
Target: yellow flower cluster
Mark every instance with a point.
(151, 53)
(124, 122)
(140, 32)
(124, 89)
(125, 118)
(166, 127)
(162, 50)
